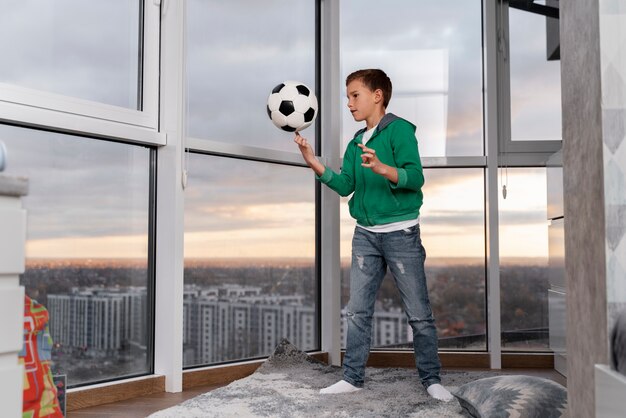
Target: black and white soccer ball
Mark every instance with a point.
(292, 106)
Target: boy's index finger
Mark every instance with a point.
(365, 149)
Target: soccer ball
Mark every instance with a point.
(292, 106)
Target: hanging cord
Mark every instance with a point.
(184, 117)
(504, 181)
(185, 154)
(502, 161)
(3, 156)
(185, 158)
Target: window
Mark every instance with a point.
(535, 80)
(452, 223)
(250, 218)
(433, 55)
(249, 255)
(524, 260)
(531, 89)
(238, 52)
(87, 249)
(71, 59)
(249, 205)
(61, 49)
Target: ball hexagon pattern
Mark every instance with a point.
(292, 106)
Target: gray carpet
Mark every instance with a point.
(288, 384)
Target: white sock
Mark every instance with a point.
(340, 387)
(439, 392)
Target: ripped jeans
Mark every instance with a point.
(403, 253)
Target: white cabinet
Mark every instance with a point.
(12, 240)
(558, 329)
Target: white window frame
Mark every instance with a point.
(35, 108)
(512, 152)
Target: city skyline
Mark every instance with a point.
(90, 300)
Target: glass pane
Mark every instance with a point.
(452, 224)
(87, 249)
(84, 49)
(535, 81)
(238, 51)
(433, 55)
(249, 259)
(524, 281)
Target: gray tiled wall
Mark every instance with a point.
(613, 70)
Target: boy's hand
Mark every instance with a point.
(370, 160)
(308, 154)
(304, 146)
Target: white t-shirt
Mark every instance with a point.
(368, 134)
(393, 226)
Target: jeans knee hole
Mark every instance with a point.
(360, 260)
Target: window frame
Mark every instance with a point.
(221, 148)
(488, 162)
(502, 152)
(207, 148)
(161, 124)
(150, 257)
(39, 109)
(513, 152)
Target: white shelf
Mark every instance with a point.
(610, 390)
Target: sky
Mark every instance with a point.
(93, 56)
(89, 198)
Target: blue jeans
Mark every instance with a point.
(403, 253)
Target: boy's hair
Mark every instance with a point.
(373, 79)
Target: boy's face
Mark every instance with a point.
(363, 102)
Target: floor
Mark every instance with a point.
(146, 405)
(140, 407)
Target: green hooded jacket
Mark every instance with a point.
(376, 200)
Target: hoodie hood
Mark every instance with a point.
(384, 122)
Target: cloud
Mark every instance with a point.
(535, 82)
(422, 29)
(263, 216)
(286, 241)
(83, 190)
(230, 80)
(120, 246)
(79, 187)
(82, 49)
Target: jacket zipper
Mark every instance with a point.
(365, 214)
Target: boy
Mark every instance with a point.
(383, 172)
